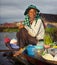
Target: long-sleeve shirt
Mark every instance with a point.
(36, 30)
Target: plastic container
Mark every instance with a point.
(31, 50)
(39, 48)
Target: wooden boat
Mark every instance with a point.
(25, 59)
(34, 60)
(37, 59)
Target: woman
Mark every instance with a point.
(31, 29)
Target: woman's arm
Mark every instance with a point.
(33, 31)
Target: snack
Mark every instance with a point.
(48, 57)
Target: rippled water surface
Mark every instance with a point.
(4, 60)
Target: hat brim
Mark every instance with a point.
(27, 10)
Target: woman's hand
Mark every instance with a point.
(21, 25)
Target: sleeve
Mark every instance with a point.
(33, 31)
(30, 31)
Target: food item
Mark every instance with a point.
(47, 39)
(54, 46)
(55, 58)
(48, 57)
(52, 51)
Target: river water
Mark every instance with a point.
(4, 60)
(2, 35)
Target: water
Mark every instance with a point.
(2, 35)
(4, 60)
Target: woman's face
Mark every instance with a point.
(32, 13)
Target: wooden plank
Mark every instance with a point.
(6, 50)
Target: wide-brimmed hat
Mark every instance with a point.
(31, 7)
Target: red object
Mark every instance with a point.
(6, 40)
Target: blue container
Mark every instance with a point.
(39, 47)
(31, 50)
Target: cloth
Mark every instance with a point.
(25, 39)
(14, 46)
(6, 40)
(36, 30)
(27, 21)
(13, 41)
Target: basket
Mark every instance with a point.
(50, 61)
